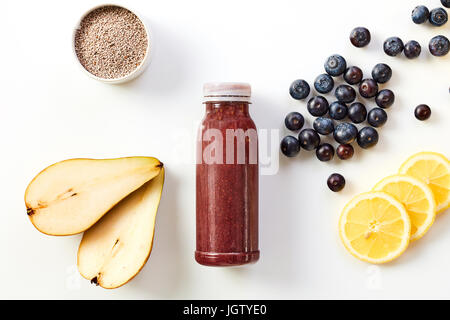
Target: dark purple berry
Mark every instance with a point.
(385, 98)
(335, 65)
(393, 46)
(368, 88)
(377, 117)
(299, 89)
(381, 73)
(290, 146)
(323, 126)
(338, 110)
(360, 37)
(309, 139)
(317, 106)
(294, 121)
(345, 133)
(422, 112)
(345, 151)
(439, 46)
(324, 83)
(438, 17)
(420, 14)
(412, 49)
(367, 137)
(336, 182)
(357, 112)
(353, 75)
(345, 93)
(446, 3)
(325, 152)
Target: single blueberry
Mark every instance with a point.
(309, 139)
(412, 49)
(439, 46)
(338, 110)
(420, 14)
(438, 17)
(336, 182)
(345, 151)
(377, 117)
(317, 106)
(353, 75)
(290, 146)
(446, 3)
(381, 73)
(345, 133)
(345, 93)
(324, 83)
(360, 37)
(325, 152)
(335, 65)
(368, 88)
(357, 112)
(422, 112)
(367, 137)
(323, 125)
(385, 98)
(393, 46)
(294, 121)
(299, 89)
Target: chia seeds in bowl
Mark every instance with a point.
(112, 44)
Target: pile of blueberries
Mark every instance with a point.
(345, 132)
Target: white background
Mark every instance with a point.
(51, 111)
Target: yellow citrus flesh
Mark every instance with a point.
(434, 170)
(416, 197)
(375, 227)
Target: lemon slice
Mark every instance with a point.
(375, 227)
(416, 197)
(433, 169)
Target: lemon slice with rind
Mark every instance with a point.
(375, 227)
(433, 169)
(416, 197)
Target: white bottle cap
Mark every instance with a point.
(227, 91)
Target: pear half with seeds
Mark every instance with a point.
(116, 248)
(70, 196)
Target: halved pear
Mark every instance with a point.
(70, 196)
(116, 248)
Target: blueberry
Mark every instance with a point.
(299, 89)
(294, 121)
(353, 75)
(324, 83)
(290, 146)
(368, 88)
(420, 14)
(393, 46)
(367, 137)
(438, 17)
(323, 125)
(357, 112)
(317, 106)
(345, 151)
(345, 93)
(385, 98)
(336, 182)
(439, 46)
(338, 110)
(309, 139)
(422, 112)
(325, 152)
(360, 37)
(446, 3)
(345, 133)
(412, 49)
(377, 117)
(381, 73)
(335, 65)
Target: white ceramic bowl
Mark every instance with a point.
(136, 72)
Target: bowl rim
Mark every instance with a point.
(139, 69)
